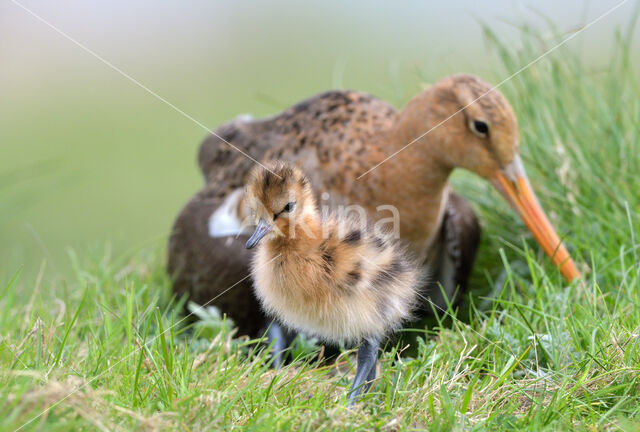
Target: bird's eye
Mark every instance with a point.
(480, 128)
(288, 208)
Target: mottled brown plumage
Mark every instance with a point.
(337, 137)
(333, 276)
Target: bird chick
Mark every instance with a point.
(336, 278)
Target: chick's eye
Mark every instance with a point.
(480, 128)
(289, 207)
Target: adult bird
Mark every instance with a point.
(360, 150)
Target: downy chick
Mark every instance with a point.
(336, 279)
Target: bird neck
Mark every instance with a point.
(413, 174)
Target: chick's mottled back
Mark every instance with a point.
(337, 278)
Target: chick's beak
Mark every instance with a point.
(262, 230)
(513, 184)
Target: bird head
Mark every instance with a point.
(280, 198)
(469, 124)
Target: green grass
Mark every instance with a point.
(107, 348)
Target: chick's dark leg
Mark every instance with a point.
(370, 378)
(366, 369)
(277, 339)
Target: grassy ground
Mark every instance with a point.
(107, 348)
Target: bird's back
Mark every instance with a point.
(331, 136)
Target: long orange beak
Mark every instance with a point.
(513, 184)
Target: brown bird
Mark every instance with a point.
(360, 150)
(336, 277)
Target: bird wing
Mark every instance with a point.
(461, 237)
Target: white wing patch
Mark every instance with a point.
(244, 118)
(225, 221)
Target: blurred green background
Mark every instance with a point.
(88, 158)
